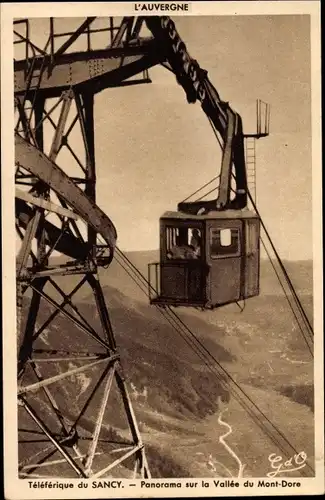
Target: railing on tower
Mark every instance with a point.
(87, 37)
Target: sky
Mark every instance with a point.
(153, 148)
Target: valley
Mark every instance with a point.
(179, 400)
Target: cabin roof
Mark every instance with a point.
(222, 214)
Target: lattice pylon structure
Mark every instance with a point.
(75, 414)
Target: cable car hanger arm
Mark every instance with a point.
(224, 120)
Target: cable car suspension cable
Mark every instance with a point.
(259, 417)
(283, 269)
(173, 322)
(243, 393)
(287, 279)
(172, 319)
(202, 187)
(164, 312)
(239, 397)
(206, 194)
(287, 297)
(308, 326)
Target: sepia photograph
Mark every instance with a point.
(165, 257)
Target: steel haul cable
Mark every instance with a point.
(240, 395)
(283, 269)
(309, 329)
(286, 295)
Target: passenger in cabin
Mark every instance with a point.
(181, 250)
(196, 242)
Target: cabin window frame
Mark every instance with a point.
(171, 231)
(232, 253)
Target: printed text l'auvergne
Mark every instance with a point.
(162, 7)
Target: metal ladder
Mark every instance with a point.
(250, 157)
(33, 81)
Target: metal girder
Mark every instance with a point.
(72, 435)
(66, 243)
(51, 380)
(99, 421)
(126, 27)
(48, 433)
(26, 346)
(72, 318)
(73, 38)
(45, 204)
(64, 113)
(97, 71)
(117, 77)
(226, 163)
(143, 47)
(67, 300)
(133, 451)
(29, 134)
(102, 310)
(33, 160)
(25, 249)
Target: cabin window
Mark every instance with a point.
(183, 243)
(225, 237)
(224, 242)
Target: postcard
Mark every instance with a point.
(162, 249)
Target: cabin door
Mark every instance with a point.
(183, 273)
(224, 255)
(252, 258)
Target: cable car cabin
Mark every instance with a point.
(206, 260)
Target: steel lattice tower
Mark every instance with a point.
(66, 428)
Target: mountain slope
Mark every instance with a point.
(177, 397)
